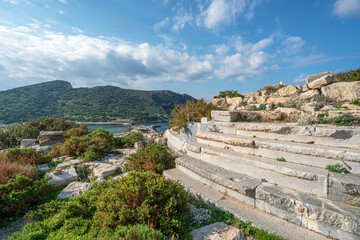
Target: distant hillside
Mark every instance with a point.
(59, 99)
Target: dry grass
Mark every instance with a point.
(9, 169)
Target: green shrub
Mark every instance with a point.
(195, 111)
(336, 168)
(344, 120)
(348, 76)
(281, 159)
(356, 102)
(95, 144)
(20, 193)
(153, 158)
(128, 140)
(92, 156)
(76, 132)
(11, 135)
(136, 205)
(280, 105)
(27, 156)
(230, 94)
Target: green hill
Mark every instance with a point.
(59, 99)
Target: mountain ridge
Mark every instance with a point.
(102, 103)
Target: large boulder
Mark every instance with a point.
(217, 231)
(289, 91)
(309, 95)
(63, 177)
(276, 100)
(27, 142)
(74, 189)
(49, 138)
(342, 91)
(321, 82)
(313, 77)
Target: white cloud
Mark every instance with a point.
(250, 14)
(16, 2)
(77, 30)
(249, 60)
(300, 79)
(63, 1)
(181, 19)
(347, 8)
(61, 12)
(293, 44)
(161, 24)
(44, 55)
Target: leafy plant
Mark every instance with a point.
(355, 102)
(344, 120)
(129, 140)
(280, 105)
(193, 111)
(153, 158)
(336, 168)
(27, 156)
(113, 209)
(230, 94)
(281, 159)
(76, 132)
(348, 76)
(22, 192)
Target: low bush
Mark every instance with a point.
(153, 158)
(22, 192)
(180, 115)
(128, 140)
(91, 146)
(355, 102)
(348, 76)
(230, 94)
(336, 168)
(11, 135)
(114, 209)
(344, 120)
(27, 156)
(76, 132)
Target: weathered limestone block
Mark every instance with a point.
(224, 116)
(64, 177)
(334, 114)
(27, 142)
(321, 82)
(218, 101)
(344, 187)
(138, 145)
(342, 91)
(44, 167)
(313, 77)
(160, 140)
(351, 106)
(276, 100)
(234, 100)
(289, 91)
(252, 100)
(309, 95)
(49, 138)
(105, 170)
(147, 140)
(290, 114)
(217, 231)
(74, 189)
(274, 87)
(193, 148)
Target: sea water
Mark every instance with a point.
(117, 128)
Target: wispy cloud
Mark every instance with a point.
(347, 8)
(300, 79)
(181, 19)
(161, 24)
(61, 12)
(63, 1)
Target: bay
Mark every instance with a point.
(117, 128)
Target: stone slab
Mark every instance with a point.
(241, 210)
(65, 177)
(27, 142)
(74, 189)
(224, 116)
(313, 77)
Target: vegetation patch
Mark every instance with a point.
(229, 94)
(153, 158)
(27, 156)
(129, 140)
(281, 159)
(336, 168)
(193, 110)
(348, 76)
(344, 120)
(11, 135)
(355, 102)
(113, 209)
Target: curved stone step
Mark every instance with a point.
(237, 185)
(307, 154)
(330, 218)
(241, 210)
(348, 137)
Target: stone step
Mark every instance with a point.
(307, 154)
(335, 219)
(239, 186)
(241, 210)
(348, 137)
(294, 176)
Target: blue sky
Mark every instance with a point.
(199, 47)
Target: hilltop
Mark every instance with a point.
(105, 103)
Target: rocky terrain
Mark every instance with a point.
(322, 98)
